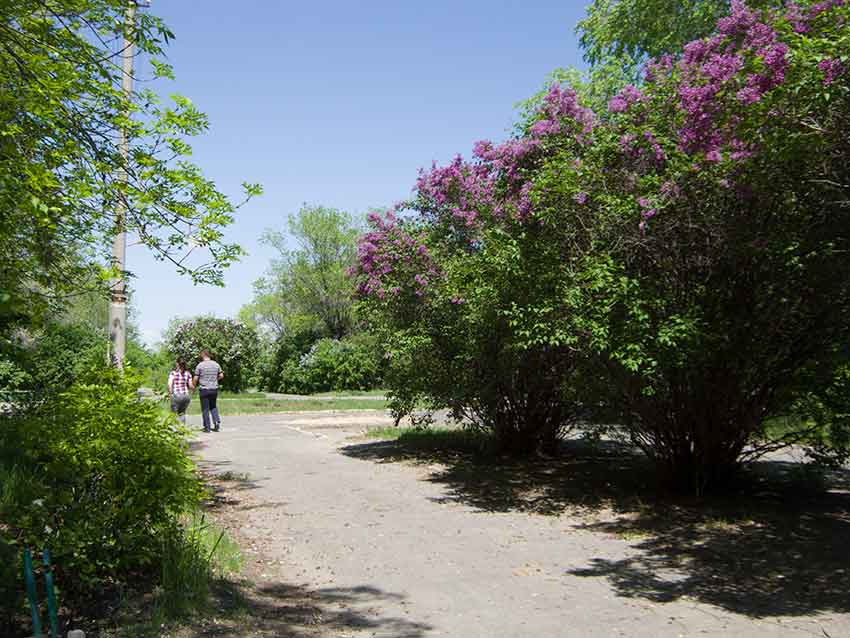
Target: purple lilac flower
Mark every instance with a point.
(797, 18)
(627, 96)
(545, 127)
(832, 69)
(710, 65)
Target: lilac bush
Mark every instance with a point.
(446, 277)
(232, 343)
(683, 254)
(711, 240)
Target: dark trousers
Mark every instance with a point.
(208, 407)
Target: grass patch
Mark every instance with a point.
(249, 404)
(385, 433)
(191, 563)
(352, 393)
(197, 566)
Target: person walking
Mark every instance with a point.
(180, 384)
(207, 375)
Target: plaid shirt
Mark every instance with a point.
(179, 381)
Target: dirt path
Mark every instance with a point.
(352, 546)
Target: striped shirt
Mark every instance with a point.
(207, 372)
(179, 381)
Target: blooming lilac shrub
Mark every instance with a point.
(688, 247)
(712, 235)
(455, 282)
(233, 344)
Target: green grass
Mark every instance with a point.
(198, 568)
(191, 562)
(434, 439)
(249, 405)
(352, 393)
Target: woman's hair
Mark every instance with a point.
(181, 363)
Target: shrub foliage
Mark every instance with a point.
(97, 475)
(680, 258)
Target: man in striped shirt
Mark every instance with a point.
(207, 375)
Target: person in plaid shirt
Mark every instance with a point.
(179, 387)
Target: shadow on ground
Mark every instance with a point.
(779, 546)
(276, 609)
(237, 609)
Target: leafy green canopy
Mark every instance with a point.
(307, 288)
(634, 30)
(61, 109)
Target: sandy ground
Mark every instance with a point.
(343, 538)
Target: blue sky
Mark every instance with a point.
(339, 103)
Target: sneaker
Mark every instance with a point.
(216, 428)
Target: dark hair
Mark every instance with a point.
(181, 363)
(205, 353)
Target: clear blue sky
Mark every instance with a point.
(340, 103)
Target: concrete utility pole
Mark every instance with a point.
(118, 303)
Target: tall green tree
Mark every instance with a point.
(308, 286)
(61, 108)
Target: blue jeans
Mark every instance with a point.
(208, 407)
(179, 403)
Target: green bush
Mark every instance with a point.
(50, 359)
(282, 366)
(100, 477)
(341, 364)
(353, 363)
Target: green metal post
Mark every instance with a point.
(29, 577)
(51, 596)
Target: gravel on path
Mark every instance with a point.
(392, 553)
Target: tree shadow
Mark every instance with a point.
(296, 611)
(777, 545)
(587, 476)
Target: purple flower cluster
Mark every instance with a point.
(713, 66)
(494, 185)
(463, 196)
(832, 69)
(388, 253)
(801, 18)
(824, 6)
(642, 147)
(561, 106)
(627, 96)
(460, 188)
(658, 68)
